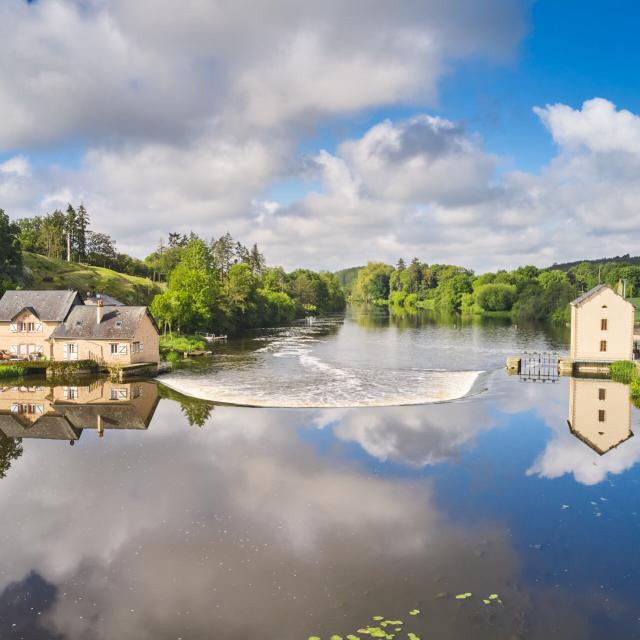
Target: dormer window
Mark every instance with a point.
(78, 323)
(119, 324)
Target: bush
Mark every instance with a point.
(11, 371)
(182, 344)
(624, 371)
(496, 297)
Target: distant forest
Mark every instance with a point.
(525, 293)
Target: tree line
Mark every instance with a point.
(68, 236)
(222, 286)
(525, 293)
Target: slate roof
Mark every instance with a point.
(114, 416)
(50, 306)
(49, 427)
(118, 323)
(108, 301)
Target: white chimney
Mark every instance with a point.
(99, 309)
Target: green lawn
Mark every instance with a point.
(41, 272)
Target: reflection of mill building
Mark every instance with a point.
(63, 412)
(599, 413)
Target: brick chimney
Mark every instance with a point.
(99, 309)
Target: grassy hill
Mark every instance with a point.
(347, 278)
(40, 272)
(627, 259)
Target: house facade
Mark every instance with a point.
(28, 318)
(58, 325)
(601, 326)
(599, 413)
(63, 412)
(113, 335)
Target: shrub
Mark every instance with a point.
(624, 371)
(11, 371)
(496, 297)
(182, 344)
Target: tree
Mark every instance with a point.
(10, 253)
(10, 450)
(100, 250)
(256, 261)
(496, 296)
(31, 234)
(53, 234)
(223, 252)
(373, 282)
(70, 229)
(192, 293)
(81, 233)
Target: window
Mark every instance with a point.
(118, 324)
(602, 394)
(603, 324)
(601, 415)
(118, 394)
(603, 345)
(70, 393)
(114, 348)
(137, 347)
(122, 349)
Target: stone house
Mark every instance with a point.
(28, 318)
(601, 326)
(113, 335)
(58, 325)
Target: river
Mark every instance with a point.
(489, 506)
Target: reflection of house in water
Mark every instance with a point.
(63, 412)
(599, 412)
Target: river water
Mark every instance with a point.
(173, 517)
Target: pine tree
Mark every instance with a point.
(70, 229)
(82, 231)
(256, 261)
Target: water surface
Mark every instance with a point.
(172, 517)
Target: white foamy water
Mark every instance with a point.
(326, 364)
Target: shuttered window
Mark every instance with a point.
(602, 394)
(601, 415)
(603, 324)
(603, 345)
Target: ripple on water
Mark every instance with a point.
(300, 367)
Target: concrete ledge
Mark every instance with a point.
(514, 364)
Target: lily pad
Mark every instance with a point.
(414, 612)
(464, 596)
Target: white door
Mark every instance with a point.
(70, 351)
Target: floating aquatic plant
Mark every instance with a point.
(464, 596)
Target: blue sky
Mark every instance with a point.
(332, 133)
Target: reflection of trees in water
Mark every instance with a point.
(371, 317)
(195, 410)
(10, 450)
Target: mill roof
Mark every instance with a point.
(117, 323)
(46, 305)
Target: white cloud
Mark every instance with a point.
(598, 126)
(229, 537)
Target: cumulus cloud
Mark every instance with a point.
(187, 117)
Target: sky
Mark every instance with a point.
(486, 133)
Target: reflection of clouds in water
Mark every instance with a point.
(417, 436)
(564, 453)
(236, 530)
